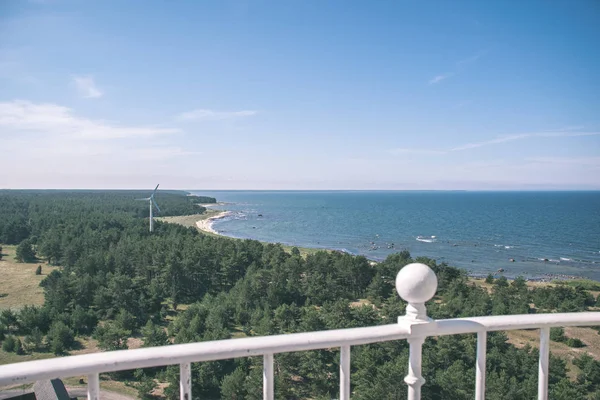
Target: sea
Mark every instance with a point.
(538, 235)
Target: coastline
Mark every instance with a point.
(207, 223)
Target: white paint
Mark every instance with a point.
(480, 366)
(543, 364)
(93, 387)
(151, 218)
(268, 389)
(185, 381)
(414, 379)
(416, 284)
(345, 373)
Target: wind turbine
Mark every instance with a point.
(151, 201)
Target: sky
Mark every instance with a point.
(300, 94)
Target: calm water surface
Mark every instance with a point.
(479, 231)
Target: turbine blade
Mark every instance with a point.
(155, 205)
(146, 199)
(155, 189)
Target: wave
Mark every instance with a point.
(565, 259)
(426, 239)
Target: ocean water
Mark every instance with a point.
(478, 231)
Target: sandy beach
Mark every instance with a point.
(206, 224)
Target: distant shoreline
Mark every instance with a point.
(206, 224)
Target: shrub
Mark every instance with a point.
(38, 270)
(25, 252)
(60, 337)
(574, 342)
(489, 279)
(9, 344)
(34, 340)
(557, 334)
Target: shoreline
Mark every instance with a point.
(207, 223)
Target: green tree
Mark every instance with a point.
(111, 336)
(146, 386)
(232, 386)
(9, 343)
(9, 319)
(34, 340)
(25, 252)
(60, 338)
(154, 335)
(83, 321)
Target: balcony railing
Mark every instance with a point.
(416, 284)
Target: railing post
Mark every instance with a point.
(185, 381)
(93, 387)
(345, 373)
(414, 379)
(416, 284)
(268, 390)
(480, 366)
(543, 365)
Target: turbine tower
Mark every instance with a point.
(151, 201)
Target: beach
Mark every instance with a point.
(207, 223)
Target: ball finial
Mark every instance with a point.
(416, 283)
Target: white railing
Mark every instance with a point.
(416, 284)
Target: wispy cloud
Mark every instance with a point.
(160, 153)
(48, 118)
(470, 60)
(206, 115)
(86, 86)
(404, 150)
(497, 140)
(439, 78)
(459, 66)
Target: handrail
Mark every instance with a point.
(111, 361)
(415, 283)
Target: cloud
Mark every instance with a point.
(87, 87)
(470, 60)
(403, 150)
(48, 118)
(207, 115)
(563, 133)
(159, 153)
(459, 67)
(439, 78)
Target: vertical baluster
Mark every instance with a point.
(185, 381)
(268, 391)
(93, 387)
(543, 366)
(414, 379)
(345, 373)
(480, 366)
(416, 284)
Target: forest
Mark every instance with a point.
(177, 285)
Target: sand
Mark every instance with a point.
(206, 224)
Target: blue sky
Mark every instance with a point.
(294, 94)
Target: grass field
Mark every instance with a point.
(19, 284)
